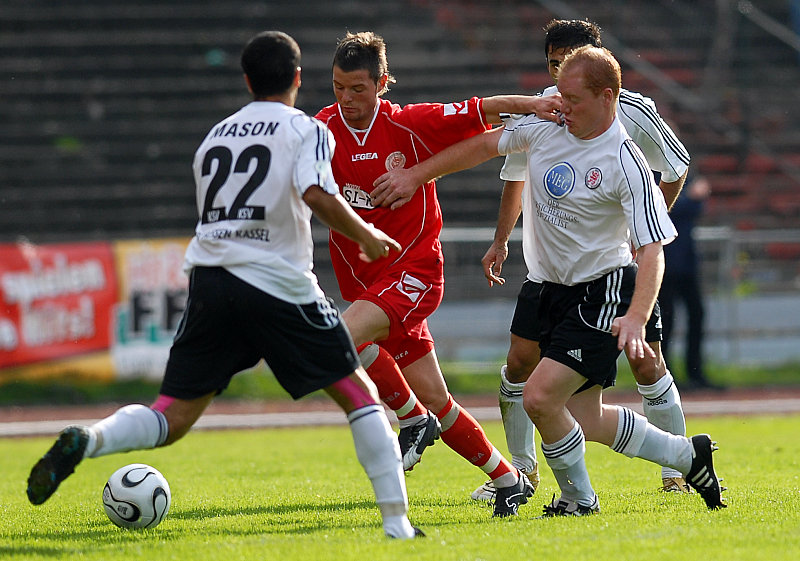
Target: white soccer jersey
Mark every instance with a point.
(587, 199)
(251, 172)
(638, 114)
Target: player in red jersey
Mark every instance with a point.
(392, 300)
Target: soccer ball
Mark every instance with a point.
(137, 496)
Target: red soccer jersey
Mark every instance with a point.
(397, 137)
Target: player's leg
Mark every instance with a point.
(419, 428)
(132, 427)
(203, 356)
(523, 357)
(635, 436)
(563, 443)
(661, 401)
(695, 317)
(334, 366)
(462, 433)
(376, 449)
(367, 322)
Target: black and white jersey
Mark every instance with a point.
(251, 172)
(586, 199)
(638, 114)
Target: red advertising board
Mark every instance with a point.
(55, 300)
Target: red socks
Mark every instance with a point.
(462, 433)
(392, 386)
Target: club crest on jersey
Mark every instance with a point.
(559, 180)
(593, 178)
(412, 287)
(395, 160)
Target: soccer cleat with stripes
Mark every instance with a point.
(565, 507)
(57, 464)
(486, 491)
(701, 475)
(508, 499)
(415, 439)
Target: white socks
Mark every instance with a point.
(661, 404)
(517, 425)
(636, 438)
(566, 458)
(133, 427)
(379, 454)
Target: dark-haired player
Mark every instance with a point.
(252, 293)
(392, 299)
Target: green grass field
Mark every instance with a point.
(259, 383)
(299, 494)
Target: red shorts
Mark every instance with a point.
(408, 298)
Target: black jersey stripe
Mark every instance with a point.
(652, 223)
(627, 100)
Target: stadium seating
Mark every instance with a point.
(105, 101)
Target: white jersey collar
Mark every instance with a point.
(360, 135)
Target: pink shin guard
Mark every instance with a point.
(162, 403)
(354, 393)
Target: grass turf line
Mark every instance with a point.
(299, 494)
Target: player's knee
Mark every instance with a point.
(519, 366)
(647, 371)
(536, 403)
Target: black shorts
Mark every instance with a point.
(576, 323)
(526, 322)
(229, 325)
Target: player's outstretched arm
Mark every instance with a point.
(396, 187)
(545, 107)
(335, 212)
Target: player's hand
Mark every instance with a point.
(547, 107)
(394, 188)
(376, 245)
(630, 337)
(493, 261)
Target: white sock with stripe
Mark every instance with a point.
(566, 457)
(517, 425)
(636, 438)
(379, 454)
(661, 404)
(133, 427)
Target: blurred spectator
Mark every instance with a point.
(794, 6)
(682, 281)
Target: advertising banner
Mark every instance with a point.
(152, 295)
(56, 301)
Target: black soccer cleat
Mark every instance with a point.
(57, 464)
(508, 499)
(564, 507)
(416, 438)
(701, 476)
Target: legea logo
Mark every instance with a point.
(559, 180)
